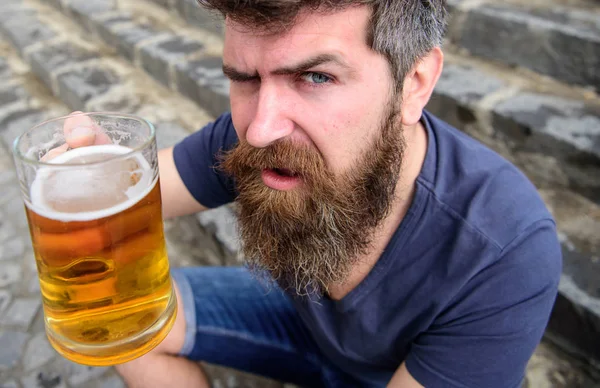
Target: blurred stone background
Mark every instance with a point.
(520, 76)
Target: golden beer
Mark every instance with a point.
(98, 240)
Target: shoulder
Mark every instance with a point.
(481, 188)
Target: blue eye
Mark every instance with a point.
(315, 78)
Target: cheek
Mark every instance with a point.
(346, 134)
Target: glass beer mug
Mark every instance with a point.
(96, 227)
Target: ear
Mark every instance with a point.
(419, 84)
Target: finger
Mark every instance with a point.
(102, 138)
(53, 153)
(80, 130)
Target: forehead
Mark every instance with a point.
(343, 32)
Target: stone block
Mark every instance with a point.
(50, 58)
(125, 38)
(569, 130)
(157, 58)
(23, 28)
(84, 10)
(458, 91)
(204, 82)
(560, 43)
(77, 87)
(12, 345)
(21, 312)
(199, 16)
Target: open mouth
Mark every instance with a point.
(284, 172)
(281, 178)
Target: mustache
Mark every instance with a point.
(300, 159)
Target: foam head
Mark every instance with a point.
(85, 192)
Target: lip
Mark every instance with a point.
(279, 182)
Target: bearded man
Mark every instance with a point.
(384, 247)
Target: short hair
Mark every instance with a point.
(403, 31)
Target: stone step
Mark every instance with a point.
(513, 111)
(558, 38)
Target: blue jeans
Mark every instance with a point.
(235, 321)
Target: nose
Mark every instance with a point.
(271, 121)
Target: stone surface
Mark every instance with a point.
(5, 72)
(559, 43)
(111, 382)
(50, 58)
(44, 379)
(78, 374)
(169, 134)
(21, 312)
(38, 352)
(223, 223)
(10, 94)
(10, 273)
(77, 87)
(5, 299)
(12, 345)
(458, 92)
(566, 129)
(204, 82)
(9, 384)
(23, 29)
(84, 10)
(156, 58)
(18, 122)
(200, 17)
(12, 248)
(163, 3)
(125, 37)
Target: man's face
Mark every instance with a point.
(320, 145)
(334, 107)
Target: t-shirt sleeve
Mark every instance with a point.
(196, 160)
(491, 329)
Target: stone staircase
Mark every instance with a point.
(521, 77)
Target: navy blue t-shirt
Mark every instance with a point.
(464, 289)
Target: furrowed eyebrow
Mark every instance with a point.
(237, 75)
(310, 63)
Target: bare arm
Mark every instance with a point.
(176, 199)
(403, 379)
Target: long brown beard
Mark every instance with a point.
(309, 238)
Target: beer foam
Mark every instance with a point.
(81, 182)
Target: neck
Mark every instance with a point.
(416, 149)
